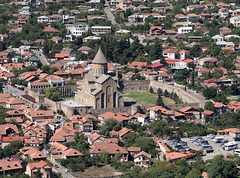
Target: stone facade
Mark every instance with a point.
(99, 89)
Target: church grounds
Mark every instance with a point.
(146, 98)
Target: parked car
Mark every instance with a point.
(211, 136)
(237, 151)
(207, 147)
(236, 138)
(225, 141)
(56, 166)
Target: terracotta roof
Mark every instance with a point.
(175, 155)
(233, 130)
(50, 30)
(38, 165)
(5, 127)
(33, 153)
(11, 138)
(205, 174)
(136, 64)
(94, 137)
(188, 109)
(10, 165)
(111, 148)
(72, 152)
(207, 112)
(16, 119)
(140, 115)
(14, 101)
(134, 149)
(219, 105)
(61, 55)
(121, 132)
(142, 153)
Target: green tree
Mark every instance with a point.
(52, 93)
(146, 145)
(109, 125)
(210, 92)
(159, 101)
(159, 91)
(151, 90)
(161, 129)
(222, 168)
(209, 106)
(155, 51)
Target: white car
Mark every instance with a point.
(211, 136)
(237, 151)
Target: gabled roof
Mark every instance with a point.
(143, 153)
(188, 109)
(102, 78)
(40, 164)
(207, 112)
(9, 165)
(99, 58)
(175, 155)
(72, 152)
(134, 149)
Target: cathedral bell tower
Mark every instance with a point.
(99, 63)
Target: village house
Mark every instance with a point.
(190, 113)
(95, 138)
(220, 107)
(85, 125)
(39, 169)
(59, 151)
(143, 160)
(137, 65)
(9, 130)
(175, 156)
(112, 149)
(63, 134)
(32, 153)
(7, 140)
(97, 30)
(233, 106)
(121, 133)
(142, 118)
(35, 115)
(122, 118)
(133, 150)
(209, 116)
(9, 167)
(175, 54)
(13, 102)
(233, 132)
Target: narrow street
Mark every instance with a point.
(42, 58)
(109, 14)
(59, 169)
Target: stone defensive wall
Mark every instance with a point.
(135, 85)
(186, 95)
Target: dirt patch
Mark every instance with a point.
(98, 172)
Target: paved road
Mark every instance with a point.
(109, 14)
(14, 91)
(60, 170)
(42, 58)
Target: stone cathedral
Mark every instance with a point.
(100, 87)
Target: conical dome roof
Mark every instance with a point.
(99, 58)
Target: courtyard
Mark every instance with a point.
(146, 98)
